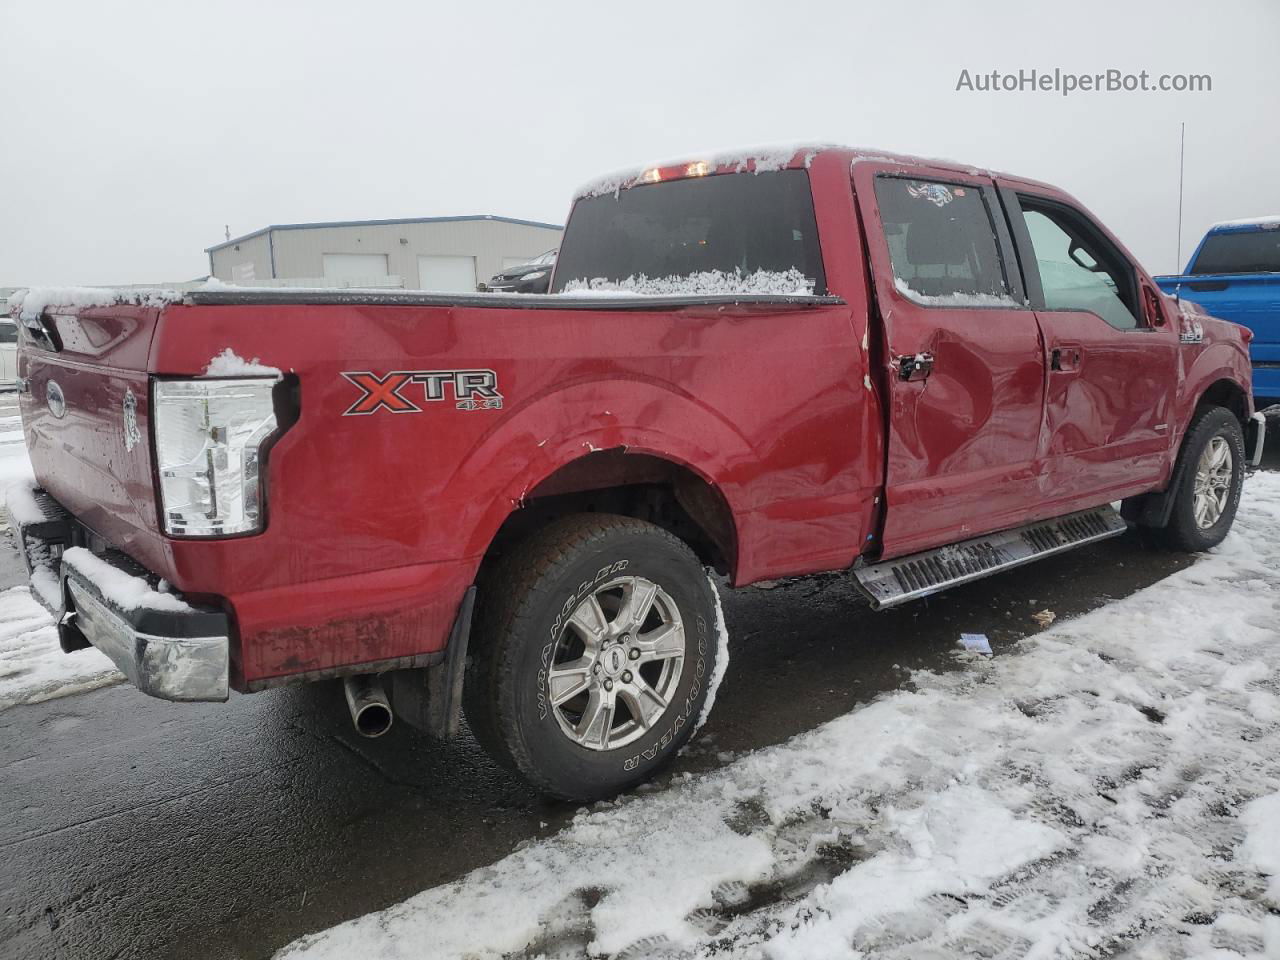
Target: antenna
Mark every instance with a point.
(1182, 156)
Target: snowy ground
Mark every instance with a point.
(1111, 790)
(32, 665)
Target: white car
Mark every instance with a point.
(8, 354)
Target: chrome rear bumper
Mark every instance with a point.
(166, 647)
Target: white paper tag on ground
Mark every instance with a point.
(975, 642)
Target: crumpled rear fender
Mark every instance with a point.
(549, 431)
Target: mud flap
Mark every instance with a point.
(430, 699)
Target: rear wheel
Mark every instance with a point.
(594, 643)
(1212, 476)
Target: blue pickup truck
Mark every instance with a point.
(1235, 274)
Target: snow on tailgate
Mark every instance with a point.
(1103, 790)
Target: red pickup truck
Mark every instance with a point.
(770, 365)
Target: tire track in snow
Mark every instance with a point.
(1090, 796)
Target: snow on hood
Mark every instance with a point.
(788, 283)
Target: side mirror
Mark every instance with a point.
(1153, 307)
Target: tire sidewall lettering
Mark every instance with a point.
(691, 699)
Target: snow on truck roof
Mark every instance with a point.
(1250, 222)
(765, 159)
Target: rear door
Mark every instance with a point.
(965, 377)
(1112, 356)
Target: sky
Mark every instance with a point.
(133, 133)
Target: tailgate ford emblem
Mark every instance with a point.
(57, 402)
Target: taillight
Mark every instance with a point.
(209, 441)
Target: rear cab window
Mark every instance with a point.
(1239, 251)
(735, 224)
(942, 243)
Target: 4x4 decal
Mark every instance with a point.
(471, 390)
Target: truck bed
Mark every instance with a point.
(507, 301)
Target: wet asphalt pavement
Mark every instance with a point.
(130, 827)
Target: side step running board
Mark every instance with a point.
(892, 582)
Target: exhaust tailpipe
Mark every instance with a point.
(368, 703)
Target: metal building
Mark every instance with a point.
(446, 254)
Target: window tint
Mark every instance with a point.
(8, 331)
(941, 239)
(1254, 251)
(1077, 272)
(728, 222)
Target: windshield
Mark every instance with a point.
(1253, 251)
(735, 224)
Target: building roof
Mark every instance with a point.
(378, 223)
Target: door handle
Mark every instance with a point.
(1064, 359)
(916, 366)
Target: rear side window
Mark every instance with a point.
(8, 331)
(731, 223)
(942, 241)
(1253, 251)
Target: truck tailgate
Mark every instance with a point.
(85, 409)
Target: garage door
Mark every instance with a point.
(447, 274)
(354, 266)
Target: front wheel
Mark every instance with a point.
(595, 643)
(1212, 476)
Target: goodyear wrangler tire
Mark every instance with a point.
(1212, 475)
(595, 641)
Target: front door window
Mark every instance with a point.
(1077, 272)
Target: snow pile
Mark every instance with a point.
(707, 283)
(30, 303)
(32, 664)
(1111, 788)
(230, 364)
(953, 299)
(20, 501)
(124, 590)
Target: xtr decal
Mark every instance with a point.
(471, 389)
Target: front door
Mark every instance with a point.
(965, 377)
(1112, 360)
